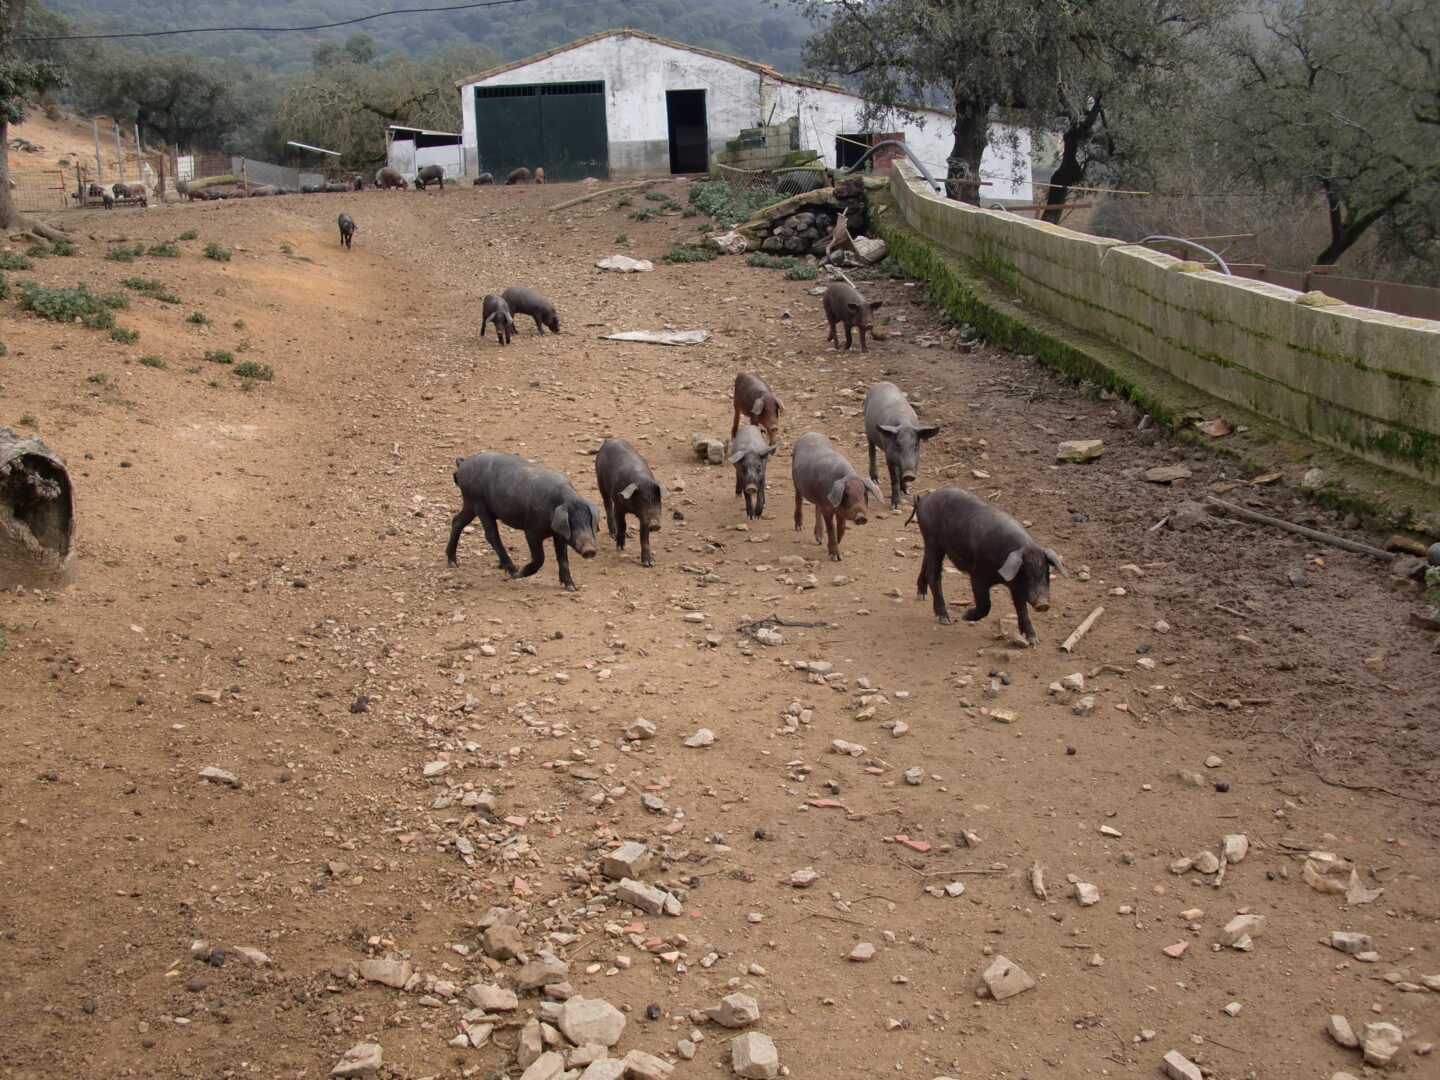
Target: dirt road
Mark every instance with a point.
(262, 590)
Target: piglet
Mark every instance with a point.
(518, 176)
(628, 487)
(823, 476)
(891, 425)
(497, 311)
(539, 174)
(498, 487)
(525, 301)
(347, 230)
(753, 399)
(989, 545)
(844, 305)
(748, 453)
(483, 179)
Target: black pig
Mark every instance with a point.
(628, 487)
(347, 230)
(498, 312)
(989, 545)
(891, 425)
(525, 301)
(498, 487)
(749, 453)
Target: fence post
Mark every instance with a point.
(99, 164)
(244, 178)
(119, 152)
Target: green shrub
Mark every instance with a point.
(62, 247)
(193, 369)
(4, 287)
(682, 252)
(198, 318)
(66, 305)
(98, 378)
(690, 211)
(3, 350)
(624, 201)
(164, 297)
(140, 284)
(216, 252)
(125, 254)
(164, 251)
(243, 345)
(151, 361)
(249, 369)
(623, 238)
(727, 207)
(9, 260)
(27, 420)
(115, 300)
(189, 234)
(220, 356)
(239, 324)
(645, 213)
(37, 251)
(657, 196)
(772, 262)
(125, 337)
(801, 272)
(286, 249)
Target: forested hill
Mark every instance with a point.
(769, 32)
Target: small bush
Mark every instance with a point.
(125, 254)
(4, 287)
(9, 260)
(623, 238)
(3, 349)
(125, 337)
(220, 356)
(37, 251)
(729, 207)
(690, 211)
(27, 420)
(249, 369)
(151, 361)
(657, 196)
(164, 251)
(243, 346)
(193, 369)
(164, 297)
(66, 304)
(682, 252)
(772, 262)
(98, 378)
(286, 249)
(645, 213)
(115, 300)
(801, 272)
(216, 252)
(140, 284)
(62, 247)
(624, 201)
(239, 324)
(198, 317)
(189, 234)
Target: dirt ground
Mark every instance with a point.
(262, 589)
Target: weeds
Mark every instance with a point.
(151, 361)
(125, 254)
(657, 196)
(4, 287)
(98, 378)
(193, 369)
(220, 356)
(67, 304)
(216, 252)
(9, 260)
(286, 249)
(243, 346)
(801, 272)
(199, 318)
(645, 213)
(683, 252)
(189, 234)
(125, 337)
(239, 324)
(623, 238)
(140, 284)
(772, 262)
(63, 247)
(27, 420)
(729, 207)
(166, 250)
(249, 369)
(37, 251)
(624, 201)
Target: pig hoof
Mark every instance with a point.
(453, 564)
(945, 620)
(1032, 639)
(835, 557)
(972, 616)
(647, 562)
(570, 586)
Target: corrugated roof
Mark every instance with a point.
(424, 131)
(629, 31)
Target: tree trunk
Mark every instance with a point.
(972, 135)
(11, 219)
(1347, 226)
(37, 514)
(1071, 171)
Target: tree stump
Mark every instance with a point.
(37, 515)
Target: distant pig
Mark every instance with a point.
(525, 301)
(891, 424)
(752, 398)
(387, 178)
(539, 174)
(518, 176)
(844, 305)
(483, 179)
(347, 230)
(823, 476)
(430, 174)
(989, 545)
(628, 487)
(498, 487)
(749, 453)
(496, 311)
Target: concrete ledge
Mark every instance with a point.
(1002, 314)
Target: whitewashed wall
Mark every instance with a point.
(637, 72)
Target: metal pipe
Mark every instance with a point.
(920, 165)
(1198, 247)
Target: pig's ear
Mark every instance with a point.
(853, 307)
(560, 522)
(876, 305)
(837, 492)
(627, 491)
(889, 429)
(1054, 560)
(779, 406)
(926, 431)
(1011, 566)
(767, 451)
(758, 407)
(872, 487)
(734, 459)
(664, 491)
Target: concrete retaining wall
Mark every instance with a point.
(1364, 381)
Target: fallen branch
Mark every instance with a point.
(1068, 645)
(772, 620)
(1300, 530)
(596, 194)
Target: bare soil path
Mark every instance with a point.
(262, 589)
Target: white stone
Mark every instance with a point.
(1005, 979)
(492, 998)
(435, 768)
(1352, 943)
(643, 1066)
(1341, 1031)
(1232, 1009)
(362, 1059)
(387, 971)
(627, 861)
(1179, 1067)
(1086, 893)
(753, 1056)
(1380, 1043)
(1084, 706)
(1242, 926)
(735, 1011)
(639, 729)
(803, 879)
(1074, 681)
(590, 1020)
(604, 1069)
(547, 1066)
(1079, 450)
(862, 952)
(1207, 862)
(1237, 846)
(645, 897)
(703, 737)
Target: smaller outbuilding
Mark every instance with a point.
(410, 149)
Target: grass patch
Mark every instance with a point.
(98, 378)
(199, 318)
(729, 207)
(9, 260)
(239, 324)
(37, 251)
(67, 305)
(682, 252)
(249, 369)
(63, 247)
(4, 288)
(286, 249)
(140, 284)
(216, 252)
(645, 213)
(189, 234)
(27, 420)
(801, 272)
(220, 356)
(193, 369)
(623, 238)
(166, 250)
(772, 262)
(125, 254)
(125, 337)
(624, 201)
(657, 196)
(243, 345)
(151, 361)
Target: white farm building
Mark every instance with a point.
(625, 103)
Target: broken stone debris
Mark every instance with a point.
(626, 861)
(1343, 1034)
(1179, 1067)
(1380, 1043)
(753, 1055)
(1004, 979)
(647, 897)
(735, 1011)
(1075, 451)
(591, 1020)
(362, 1059)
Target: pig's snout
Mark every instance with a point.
(752, 489)
(588, 552)
(1042, 603)
(860, 518)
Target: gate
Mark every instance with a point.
(560, 126)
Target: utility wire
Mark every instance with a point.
(274, 29)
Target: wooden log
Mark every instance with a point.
(1068, 645)
(37, 515)
(596, 194)
(1300, 530)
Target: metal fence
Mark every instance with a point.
(262, 172)
(38, 190)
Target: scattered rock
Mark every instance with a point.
(1237, 847)
(1351, 943)
(1166, 474)
(492, 998)
(803, 879)
(708, 448)
(1380, 1043)
(1242, 926)
(703, 737)
(625, 265)
(220, 776)
(735, 1011)
(1343, 1034)
(362, 1059)
(542, 972)
(647, 897)
(642, 1066)
(604, 1069)
(1179, 1067)
(1004, 978)
(862, 952)
(753, 1055)
(591, 1020)
(629, 860)
(1076, 451)
(640, 729)
(502, 942)
(387, 971)
(1087, 894)
(547, 1066)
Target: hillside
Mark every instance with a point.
(750, 28)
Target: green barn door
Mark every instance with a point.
(560, 126)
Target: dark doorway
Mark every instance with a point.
(849, 149)
(689, 135)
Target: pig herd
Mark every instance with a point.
(981, 540)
